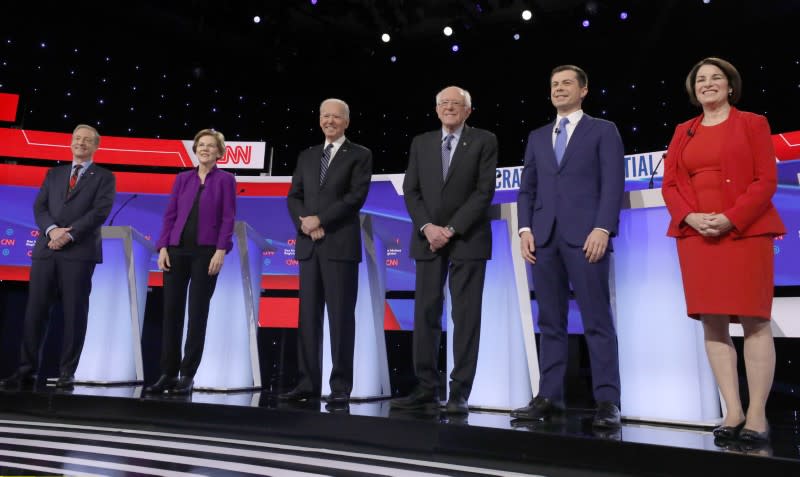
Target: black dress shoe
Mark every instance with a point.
(18, 380)
(420, 398)
(338, 407)
(184, 386)
(728, 432)
(338, 397)
(539, 409)
(607, 415)
(457, 404)
(163, 384)
(754, 437)
(65, 381)
(298, 394)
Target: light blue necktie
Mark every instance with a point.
(324, 162)
(561, 140)
(446, 148)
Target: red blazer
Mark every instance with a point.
(749, 178)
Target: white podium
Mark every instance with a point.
(112, 352)
(507, 375)
(230, 355)
(664, 371)
(370, 364)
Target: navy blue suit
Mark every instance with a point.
(562, 204)
(66, 272)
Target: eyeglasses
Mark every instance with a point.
(330, 116)
(447, 102)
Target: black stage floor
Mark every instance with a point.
(482, 443)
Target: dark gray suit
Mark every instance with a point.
(66, 272)
(329, 266)
(461, 200)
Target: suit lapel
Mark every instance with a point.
(87, 177)
(581, 130)
(458, 155)
(335, 164)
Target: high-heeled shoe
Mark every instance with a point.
(754, 437)
(728, 432)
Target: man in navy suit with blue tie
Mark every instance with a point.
(568, 209)
(69, 209)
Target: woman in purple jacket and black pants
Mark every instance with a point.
(196, 234)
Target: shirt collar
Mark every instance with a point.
(456, 134)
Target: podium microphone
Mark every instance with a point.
(655, 169)
(111, 221)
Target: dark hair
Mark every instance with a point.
(583, 79)
(730, 72)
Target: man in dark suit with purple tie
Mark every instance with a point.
(70, 209)
(568, 208)
(448, 189)
(329, 186)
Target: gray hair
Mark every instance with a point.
(337, 101)
(90, 128)
(462, 91)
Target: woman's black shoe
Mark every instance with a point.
(164, 384)
(754, 437)
(728, 432)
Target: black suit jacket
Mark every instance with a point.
(461, 199)
(85, 210)
(336, 202)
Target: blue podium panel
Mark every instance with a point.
(230, 356)
(112, 351)
(370, 364)
(504, 373)
(664, 372)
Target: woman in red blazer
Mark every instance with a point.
(719, 179)
(196, 234)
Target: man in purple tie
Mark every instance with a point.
(448, 188)
(568, 208)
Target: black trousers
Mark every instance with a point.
(466, 292)
(51, 278)
(335, 283)
(189, 269)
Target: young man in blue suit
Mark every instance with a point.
(568, 208)
(70, 209)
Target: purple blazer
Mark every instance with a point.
(217, 209)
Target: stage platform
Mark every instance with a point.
(482, 443)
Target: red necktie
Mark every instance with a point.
(73, 179)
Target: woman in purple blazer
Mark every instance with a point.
(196, 234)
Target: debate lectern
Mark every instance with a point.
(664, 371)
(370, 364)
(230, 355)
(112, 352)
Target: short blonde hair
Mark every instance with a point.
(218, 136)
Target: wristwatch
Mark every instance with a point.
(451, 229)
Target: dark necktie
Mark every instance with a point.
(73, 179)
(446, 148)
(561, 140)
(324, 163)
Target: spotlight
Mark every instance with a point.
(516, 36)
(706, 1)
(623, 15)
(454, 48)
(447, 31)
(386, 38)
(313, 2)
(256, 19)
(527, 15)
(393, 59)
(585, 23)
